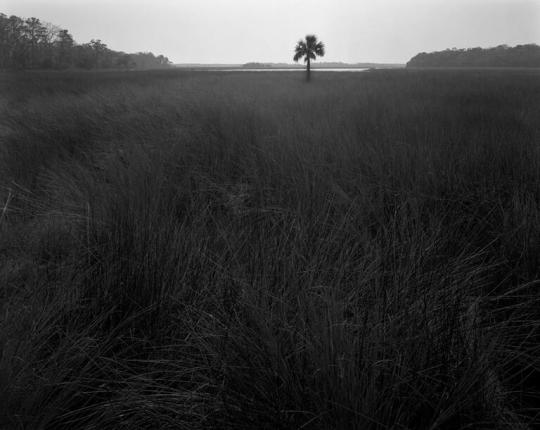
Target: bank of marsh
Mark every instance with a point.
(246, 250)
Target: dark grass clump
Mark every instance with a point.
(240, 251)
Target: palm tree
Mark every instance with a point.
(309, 48)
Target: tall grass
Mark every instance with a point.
(221, 250)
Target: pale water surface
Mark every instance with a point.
(240, 69)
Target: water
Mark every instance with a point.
(241, 69)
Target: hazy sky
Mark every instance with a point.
(238, 31)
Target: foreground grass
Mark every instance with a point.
(213, 250)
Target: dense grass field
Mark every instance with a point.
(184, 250)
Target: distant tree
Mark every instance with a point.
(162, 60)
(147, 60)
(125, 61)
(83, 56)
(47, 47)
(309, 49)
(25, 43)
(99, 50)
(37, 38)
(5, 46)
(499, 56)
(31, 43)
(255, 65)
(16, 44)
(63, 48)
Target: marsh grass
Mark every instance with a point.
(221, 250)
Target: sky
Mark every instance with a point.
(239, 31)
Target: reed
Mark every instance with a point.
(234, 250)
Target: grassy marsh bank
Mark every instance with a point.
(235, 250)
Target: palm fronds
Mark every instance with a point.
(310, 48)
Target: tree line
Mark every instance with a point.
(499, 56)
(33, 44)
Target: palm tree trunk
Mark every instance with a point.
(308, 70)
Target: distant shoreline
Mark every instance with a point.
(502, 56)
(278, 66)
(478, 68)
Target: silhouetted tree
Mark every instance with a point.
(99, 50)
(31, 43)
(162, 60)
(125, 61)
(5, 41)
(147, 60)
(83, 56)
(499, 56)
(310, 49)
(63, 45)
(15, 46)
(47, 48)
